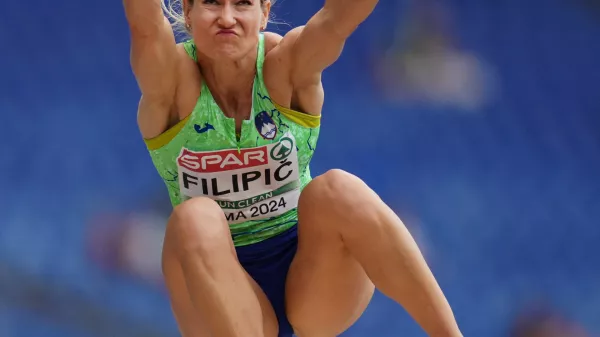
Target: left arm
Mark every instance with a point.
(319, 43)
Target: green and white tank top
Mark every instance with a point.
(257, 177)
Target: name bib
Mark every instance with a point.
(249, 184)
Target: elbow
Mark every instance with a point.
(144, 19)
(344, 19)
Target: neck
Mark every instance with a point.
(229, 78)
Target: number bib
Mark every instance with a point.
(249, 184)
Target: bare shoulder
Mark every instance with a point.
(185, 61)
(272, 40)
(276, 42)
(183, 58)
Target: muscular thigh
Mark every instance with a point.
(327, 289)
(188, 319)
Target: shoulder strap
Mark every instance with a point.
(190, 49)
(260, 60)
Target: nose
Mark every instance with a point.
(227, 18)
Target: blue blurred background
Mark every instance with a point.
(477, 121)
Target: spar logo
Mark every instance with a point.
(225, 160)
(222, 160)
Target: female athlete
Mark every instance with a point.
(254, 246)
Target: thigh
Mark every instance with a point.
(327, 289)
(189, 321)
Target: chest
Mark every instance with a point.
(208, 143)
(237, 110)
(191, 90)
(270, 158)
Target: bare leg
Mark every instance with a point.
(327, 289)
(338, 210)
(211, 294)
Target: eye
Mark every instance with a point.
(245, 3)
(210, 2)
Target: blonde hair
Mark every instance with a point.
(173, 10)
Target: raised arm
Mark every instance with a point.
(154, 63)
(319, 43)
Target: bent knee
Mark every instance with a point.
(339, 201)
(331, 183)
(197, 225)
(199, 209)
(337, 187)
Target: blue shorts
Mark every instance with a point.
(268, 263)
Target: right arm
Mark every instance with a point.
(154, 64)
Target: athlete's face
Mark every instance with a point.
(226, 28)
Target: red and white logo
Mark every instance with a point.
(225, 160)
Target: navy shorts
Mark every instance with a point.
(268, 263)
